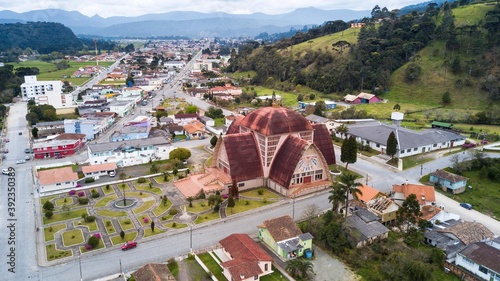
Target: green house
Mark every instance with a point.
(285, 238)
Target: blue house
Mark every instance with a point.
(449, 182)
(328, 104)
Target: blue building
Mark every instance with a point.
(449, 182)
(328, 104)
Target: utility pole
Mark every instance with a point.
(293, 208)
(121, 271)
(80, 263)
(190, 239)
(421, 168)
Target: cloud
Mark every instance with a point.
(108, 8)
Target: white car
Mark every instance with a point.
(21, 161)
(112, 174)
(5, 171)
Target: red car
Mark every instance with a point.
(129, 245)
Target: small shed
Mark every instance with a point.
(449, 182)
(441, 125)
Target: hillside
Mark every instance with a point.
(44, 37)
(413, 61)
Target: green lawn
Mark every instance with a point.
(275, 276)
(105, 200)
(159, 179)
(109, 213)
(207, 217)
(62, 216)
(61, 201)
(54, 254)
(141, 219)
(198, 206)
(91, 225)
(213, 266)
(470, 14)
(72, 237)
(138, 194)
(242, 206)
(162, 208)
(49, 232)
(155, 189)
(124, 225)
(255, 193)
(100, 246)
(177, 225)
(108, 191)
(128, 237)
(148, 232)
(110, 229)
(48, 198)
(146, 205)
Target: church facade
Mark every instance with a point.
(277, 148)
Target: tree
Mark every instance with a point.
(397, 107)
(337, 196)
(122, 177)
(445, 98)
(412, 72)
(213, 141)
(230, 202)
(342, 130)
(392, 145)
(49, 214)
(300, 268)
(122, 234)
(48, 206)
(190, 199)
(180, 153)
(341, 45)
(191, 109)
(154, 169)
(348, 180)
(234, 189)
(93, 241)
(409, 211)
(349, 151)
(152, 226)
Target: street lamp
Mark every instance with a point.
(191, 239)
(293, 208)
(80, 263)
(421, 168)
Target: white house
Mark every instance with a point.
(95, 171)
(121, 108)
(130, 152)
(56, 179)
(45, 92)
(481, 259)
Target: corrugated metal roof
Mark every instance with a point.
(243, 156)
(323, 141)
(286, 160)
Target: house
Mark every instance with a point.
(436, 215)
(138, 128)
(60, 146)
(56, 179)
(49, 128)
(449, 182)
(194, 129)
(363, 228)
(481, 259)
(284, 237)
(95, 171)
(278, 148)
(244, 259)
(362, 98)
(175, 129)
(129, 153)
(182, 119)
(122, 108)
(90, 128)
(375, 135)
(165, 121)
(153, 272)
(207, 121)
(425, 193)
(378, 203)
(46, 92)
(328, 104)
(453, 236)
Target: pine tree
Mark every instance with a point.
(349, 151)
(392, 145)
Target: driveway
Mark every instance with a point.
(329, 268)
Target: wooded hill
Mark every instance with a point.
(415, 58)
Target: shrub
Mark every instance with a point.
(48, 206)
(89, 219)
(216, 208)
(93, 190)
(95, 195)
(81, 194)
(146, 220)
(49, 214)
(84, 216)
(202, 196)
(108, 187)
(264, 199)
(72, 192)
(141, 180)
(93, 241)
(122, 234)
(173, 212)
(97, 235)
(127, 222)
(89, 180)
(88, 247)
(83, 201)
(174, 224)
(247, 202)
(260, 191)
(51, 229)
(108, 223)
(164, 218)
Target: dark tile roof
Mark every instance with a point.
(234, 128)
(286, 160)
(275, 121)
(185, 115)
(153, 272)
(483, 254)
(323, 141)
(282, 228)
(442, 174)
(358, 230)
(243, 156)
(69, 136)
(245, 254)
(469, 232)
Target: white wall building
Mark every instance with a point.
(45, 92)
(122, 108)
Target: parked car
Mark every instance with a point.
(5, 171)
(129, 245)
(27, 158)
(6, 151)
(466, 206)
(27, 150)
(20, 133)
(7, 140)
(112, 174)
(59, 157)
(20, 161)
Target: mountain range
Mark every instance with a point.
(184, 23)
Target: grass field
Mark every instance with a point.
(65, 216)
(54, 254)
(162, 208)
(124, 225)
(176, 226)
(49, 231)
(110, 229)
(470, 14)
(275, 276)
(72, 237)
(142, 221)
(146, 205)
(91, 225)
(108, 191)
(242, 206)
(105, 200)
(109, 213)
(198, 206)
(128, 237)
(155, 189)
(255, 193)
(212, 265)
(207, 217)
(148, 232)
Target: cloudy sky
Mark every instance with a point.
(108, 8)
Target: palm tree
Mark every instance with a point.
(337, 195)
(350, 187)
(299, 268)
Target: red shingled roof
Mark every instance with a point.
(275, 121)
(282, 228)
(243, 156)
(323, 141)
(245, 253)
(286, 160)
(424, 193)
